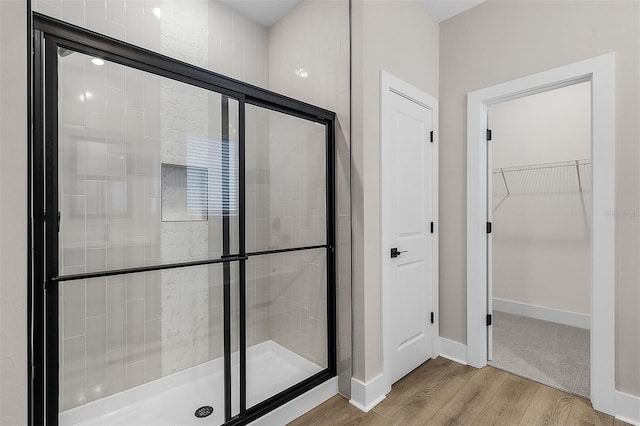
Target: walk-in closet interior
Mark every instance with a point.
(541, 266)
(185, 170)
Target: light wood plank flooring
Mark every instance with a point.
(441, 392)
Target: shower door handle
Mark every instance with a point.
(395, 253)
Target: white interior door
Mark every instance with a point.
(407, 211)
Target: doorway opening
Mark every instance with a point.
(539, 205)
(600, 72)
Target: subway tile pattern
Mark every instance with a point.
(106, 323)
(258, 191)
(299, 303)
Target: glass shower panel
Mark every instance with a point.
(143, 348)
(148, 175)
(286, 321)
(148, 168)
(285, 181)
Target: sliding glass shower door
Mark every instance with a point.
(148, 179)
(184, 236)
(286, 242)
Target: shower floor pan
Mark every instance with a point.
(173, 400)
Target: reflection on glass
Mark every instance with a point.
(286, 321)
(285, 181)
(148, 169)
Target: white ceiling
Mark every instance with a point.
(441, 10)
(264, 12)
(268, 12)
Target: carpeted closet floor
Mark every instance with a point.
(556, 355)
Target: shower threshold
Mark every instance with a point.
(174, 400)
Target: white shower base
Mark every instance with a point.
(173, 400)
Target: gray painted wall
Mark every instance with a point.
(13, 212)
(402, 39)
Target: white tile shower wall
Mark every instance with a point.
(299, 298)
(298, 212)
(103, 155)
(237, 46)
(119, 342)
(309, 59)
(258, 286)
(184, 116)
(103, 225)
(215, 298)
(297, 166)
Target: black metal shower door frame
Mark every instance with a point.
(50, 34)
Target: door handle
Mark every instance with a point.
(395, 252)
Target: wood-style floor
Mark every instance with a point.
(442, 392)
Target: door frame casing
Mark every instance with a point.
(389, 85)
(600, 71)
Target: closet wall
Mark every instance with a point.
(541, 241)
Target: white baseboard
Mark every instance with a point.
(453, 350)
(543, 313)
(300, 405)
(628, 408)
(365, 396)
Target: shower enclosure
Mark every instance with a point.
(183, 239)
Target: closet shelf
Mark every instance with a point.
(572, 163)
(539, 179)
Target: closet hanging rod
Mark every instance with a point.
(571, 163)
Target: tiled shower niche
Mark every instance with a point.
(184, 193)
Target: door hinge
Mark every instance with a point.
(489, 134)
(432, 318)
(489, 320)
(432, 227)
(488, 227)
(58, 221)
(431, 136)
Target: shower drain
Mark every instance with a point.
(204, 411)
